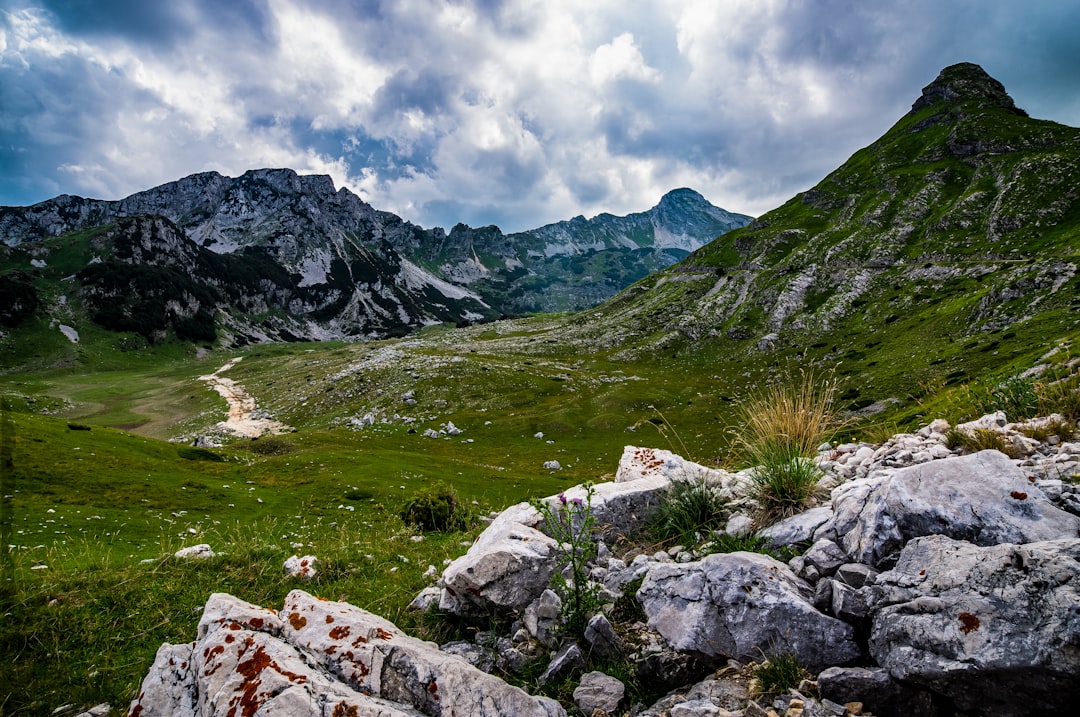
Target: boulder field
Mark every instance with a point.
(929, 582)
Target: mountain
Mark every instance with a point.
(579, 263)
(948, 246)
(272, 255)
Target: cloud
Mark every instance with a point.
(503, 111)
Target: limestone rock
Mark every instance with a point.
(101, 710)
(200, 551)
(598, 691)
(301, 567)
(507, 567)
(740, 604)
(318, 658)
(797, 528)
(983, 498)
(568, 659)
(875, 689)
(603, 641)
(995, 629)
(168, 690)
(234, 664)
(739, 525)
(371, 655)
(637, 463)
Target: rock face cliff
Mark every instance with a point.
(272, 255)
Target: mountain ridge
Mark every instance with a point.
(336, 267)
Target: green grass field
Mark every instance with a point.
(100, 497)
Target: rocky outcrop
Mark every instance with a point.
(743, 606)
(318, 658)
(935, 582)
(995, 629)
(983, 498)
(324, 264)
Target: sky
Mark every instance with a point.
(511, 112)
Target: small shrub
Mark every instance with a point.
(778, 675)
(689, 510)
(437, 509)
(270, 446)
(199, 454)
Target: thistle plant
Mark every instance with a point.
(570, 522)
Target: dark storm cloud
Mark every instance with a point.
(49, 115)
(154, 22)
(427, 91)
(503, 111)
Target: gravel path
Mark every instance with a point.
(242, 418)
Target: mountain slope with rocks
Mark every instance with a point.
(935, 250)
(271, 256)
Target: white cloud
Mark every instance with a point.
(620, 59)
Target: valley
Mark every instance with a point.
(926, 278)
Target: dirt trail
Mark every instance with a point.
(242, 406)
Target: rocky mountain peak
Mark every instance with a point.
(963, 82)
(681, 197)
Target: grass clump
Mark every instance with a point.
(783, 426)
(199, 454)
(1016, 395)
(270, 446)
(979, 439)
(728, 543)
(1043, 430)
(778, 675)
(1060, 395)
(689, 511)
(437, 509)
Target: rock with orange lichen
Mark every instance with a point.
(317, 658)
(371, 655)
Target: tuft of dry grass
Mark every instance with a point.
(798, 415)
(782, 427)
(980, 439)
